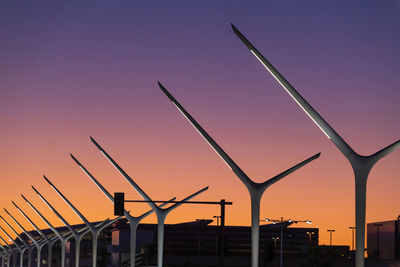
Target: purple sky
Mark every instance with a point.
(70, 70)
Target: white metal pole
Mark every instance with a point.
(256, 190)
(361, 164)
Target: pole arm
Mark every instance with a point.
(234, 167)
(55, 211)
(67, 201)
(43, 218)
(308, 109)
(23, 229)
(94, 180)
(289, 171)
(9, 236)
(5, 243)
(33, 224)
(385, 151)
(129, 179)
(12, 229)
(108, 195)
(187, 198)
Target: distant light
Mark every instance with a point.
(290, 220)
(274, 223)
(309, 222)
(266, 219)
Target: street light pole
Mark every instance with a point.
(330, 234)
(281, 221)
(218, 217)
(309, 237)
(378, 225)
(352, 228)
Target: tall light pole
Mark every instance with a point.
(282, 222)
(21, 249)
(361, 165)
(62, 237)
(309, 237)
(38, 245)
(95, 229)
(11, 253)
(5, 257)
(133, 221)
(217, 217)
(330, 236)
(378, 225)
(352, 228)
(256, 190)
(15, 243)
(161, 213)
(49, 241)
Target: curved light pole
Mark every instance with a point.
(361, 165)
(63, 238)
(27, 247)
(94, 229)
(9, 253)
(78, 235)
(19, 248)
(160, 212)
(46, 240)
(6, 254)
(256, 190)
(133, 221)
(36, 243)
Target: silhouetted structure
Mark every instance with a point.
(196, 244)
(383, 240)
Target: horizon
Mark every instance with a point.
(71, 71)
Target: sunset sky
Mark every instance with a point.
(83, 68)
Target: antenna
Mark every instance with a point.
(256, 190)
(133, 221)
(361, 165)
(160, 212)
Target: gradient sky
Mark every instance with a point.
(83, 68)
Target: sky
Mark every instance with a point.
(70, 70)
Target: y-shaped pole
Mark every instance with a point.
(78, 235)
(63, 238)
(133, 221)
(160, 212)
(361, 165)
(37, 245)
(18, 247)
(21, 256)
(94, 229)
(46, 240)
(9, 253)
(256, 190)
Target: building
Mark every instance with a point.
(200, 244)
(383, 240)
